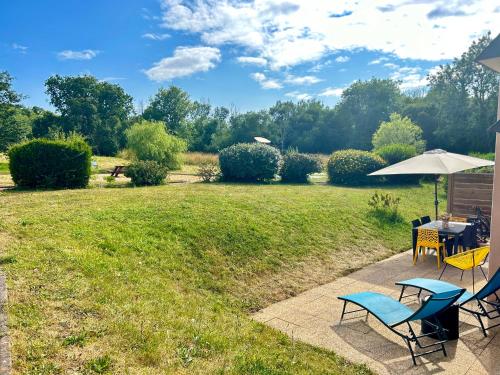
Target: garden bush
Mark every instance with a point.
(149, 140)
(146, 173)
(249, 162)
(208, 171)
(351, 167)
(394, 153)
(399, 130)
(44, 163)
(297, 167)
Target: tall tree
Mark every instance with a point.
(281, 115)
(97, 110)
(245, 126)
(465, 94)
(172, 106)
(364, 105)
(15, 120)
(7, 94)
(399, 130)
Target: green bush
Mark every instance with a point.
(146, 173)
(351, 167)
(399, 130)
(44, 163)
(394, 153)
(487, 155)
(297, 167)
(148, 140)
(249, 162)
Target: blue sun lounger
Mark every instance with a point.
(485, 308)
(393, 314)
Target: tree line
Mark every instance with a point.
(453, 112)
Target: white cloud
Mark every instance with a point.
(86, 54)
(299, 95)
(265, 82)
(316, 68)
(155, 36)
(18, 47)
(434, 70)
(391, 65)
(290, 32)
(184, 62)
(252, 60)
(342, 59)
(378, 61)
(332, 91)
(410, 77)
(302, 80)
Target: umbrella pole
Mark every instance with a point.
(436, 202)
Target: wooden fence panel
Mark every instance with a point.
(466, 191)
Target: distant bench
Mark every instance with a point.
(117, 170)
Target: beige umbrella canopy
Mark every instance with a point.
(262, 140)
(435, 162)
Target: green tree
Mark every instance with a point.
(148, 140)
(314, 128)
(281, 115)
(15, 126)
(7, 94)
(364, 105)
(15, 120)
(245, 126)
(399, 130)
(424, 113)
(172, 106)
(206, 124)
(97, 110)
(46, 123)
(465, 94)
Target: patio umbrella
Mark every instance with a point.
(434, 162)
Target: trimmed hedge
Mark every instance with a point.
(249, 162)
(146, 173)
(297, 167)
(351, 167)
(395, 153)
(44, 163)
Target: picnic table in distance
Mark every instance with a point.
(117, 170)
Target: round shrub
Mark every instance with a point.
(351, 167)
(44, 163)
(249, 162)
(395, 153)
(297, 167)
(146, 173)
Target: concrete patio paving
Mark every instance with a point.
(313, 317)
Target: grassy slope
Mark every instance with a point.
(162, 279)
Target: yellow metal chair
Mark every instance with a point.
(468, 260)
(429, 239)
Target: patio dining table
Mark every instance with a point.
(454, 230)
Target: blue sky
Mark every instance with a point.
(247, 54)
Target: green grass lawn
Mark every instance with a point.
(163, 279)
(4, 164)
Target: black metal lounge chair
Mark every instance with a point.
(394, 314)
(485, 308)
